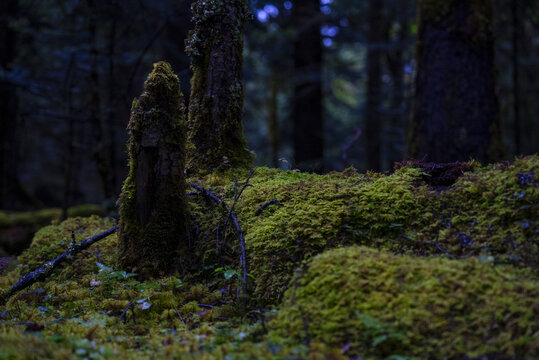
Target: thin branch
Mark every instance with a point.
(243, 258)
(425, 243)
(179, 315)
(265, 205)
(46, 269)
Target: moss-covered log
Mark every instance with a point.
(215, 130)
(153, 208)
(385, 305)
(456, 115)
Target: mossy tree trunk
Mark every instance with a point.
(308, 127)
(153, 205)
(456, 115)
(215, 130)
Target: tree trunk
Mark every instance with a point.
(153, 204)
(273, 118)
(456, 115)
(514, 61)
(215, 136)
(373, 119)
(9, 103)
(101, 151)
(308, 131)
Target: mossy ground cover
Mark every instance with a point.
(467, 256)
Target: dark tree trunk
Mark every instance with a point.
(101, 151)
(514, 61)
(395, 61)
(308, 132)
(12, 195)
(456, 115)
(373, 119)
(273, 118)
(215, 137)
(153, 205)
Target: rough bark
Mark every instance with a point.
(307, 115)
(215, 130)
(153, 207)
(456, 115)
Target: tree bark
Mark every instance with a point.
(153, 205)
(307, 112)
(215, 135)
(456, 115)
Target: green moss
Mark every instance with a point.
(385, 305)
(153, 208)
(489, 213)
(17, 228)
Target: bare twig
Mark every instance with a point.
(179, 315)
(243, 258)
(425, 243)
(124, 313)
(265, 205)
(46, 269)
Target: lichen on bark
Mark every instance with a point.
(215, 130)
(153, 206)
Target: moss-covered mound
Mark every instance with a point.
(377, 304)
(90, 308)
(490, 212)
(17, 228)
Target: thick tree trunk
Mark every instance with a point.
(8, 108)
(215, 137)
(456, 114)
(153, 205)
(308, 131)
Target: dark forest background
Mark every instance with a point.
(69, 71)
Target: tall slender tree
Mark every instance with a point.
(456, 115)
(307, 113)
(373, 119)
(215, 129)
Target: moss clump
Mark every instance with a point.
(490, 212)
(153, 203)
(215, 136)
(382, 304)
(17, 228)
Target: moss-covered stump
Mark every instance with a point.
(378, 304)
(490, 212)
(215, 136)
(17, 228)
(153, 208)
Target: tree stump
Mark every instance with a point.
(153, 205)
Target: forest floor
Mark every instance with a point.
(432, 261)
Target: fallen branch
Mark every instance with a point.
(265, 205)
(243, 258)
(45, 270)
